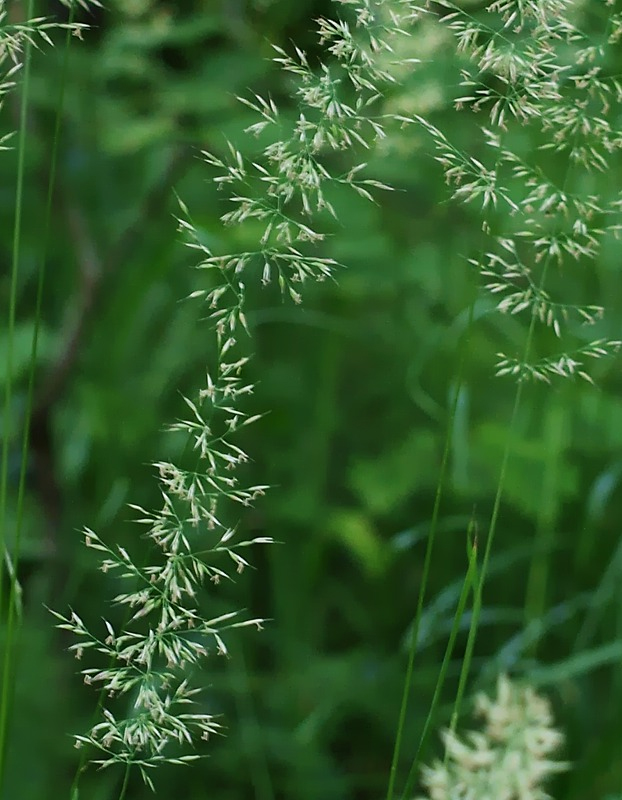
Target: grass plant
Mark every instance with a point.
(534, 88)
(17, 41)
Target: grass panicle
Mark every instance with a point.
(535, 92)
(286, 191)
(511, 757)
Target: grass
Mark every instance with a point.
(534, 206)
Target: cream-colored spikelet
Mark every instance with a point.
(509, 759)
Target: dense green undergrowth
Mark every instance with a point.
(438, 420)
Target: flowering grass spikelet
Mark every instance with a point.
(168, 629)
(509, 759)
(539, 228)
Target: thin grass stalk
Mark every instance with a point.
(397, 747)
(37, 319)
(17, 224)
(498, 497)
(470, 580)
(477, 603)
(8, 395)
(126, 780)
(463, 352)
(497, 501)
(430, 546)
(494, 517)
(14, 595)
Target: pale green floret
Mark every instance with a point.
(509, 759)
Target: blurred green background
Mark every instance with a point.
(358, 383)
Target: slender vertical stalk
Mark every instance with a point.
(539, 290)
(470, 581)
(494, 518)
(477, 603)
(428, 560)
(10, 646)
(126, 780)
(8, 395)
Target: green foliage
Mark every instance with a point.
(359, 383)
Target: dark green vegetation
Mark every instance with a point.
(358, 383)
